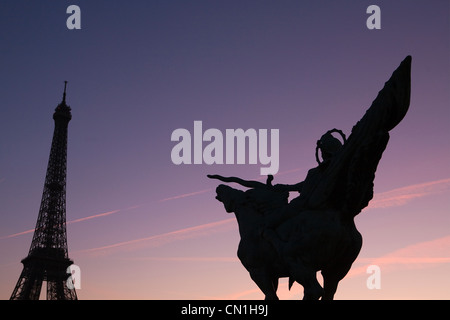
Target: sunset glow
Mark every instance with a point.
(141, 226)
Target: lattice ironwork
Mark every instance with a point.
(48, 258)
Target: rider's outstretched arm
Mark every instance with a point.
(242, 182)
(289, 187)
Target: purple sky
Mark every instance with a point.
(143, 228)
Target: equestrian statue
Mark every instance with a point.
(316, 231)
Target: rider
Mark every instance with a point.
(329, 146)
(273, 217)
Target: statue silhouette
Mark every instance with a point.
(316, 230)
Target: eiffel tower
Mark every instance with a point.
(48, 257)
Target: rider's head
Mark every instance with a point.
(328, 145)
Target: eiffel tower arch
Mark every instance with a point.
(48, 257)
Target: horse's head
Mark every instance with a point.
(230, 197)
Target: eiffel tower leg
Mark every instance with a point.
(28, 286)
(58, 290)
(57, 276)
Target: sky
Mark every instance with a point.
(140, 226)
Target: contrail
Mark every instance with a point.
(186, 195)
(188, 259)
(161, 239)
(401, 196)
(395, 197)
(17, 234)
(68, 222)
(104, 214)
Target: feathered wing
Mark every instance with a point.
(348, 179)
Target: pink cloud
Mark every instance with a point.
(419, 255)
(239, 295)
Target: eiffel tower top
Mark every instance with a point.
(62, 111)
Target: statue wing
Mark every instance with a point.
(347, 181)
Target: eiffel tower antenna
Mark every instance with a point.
(64, 95)
(48, 258)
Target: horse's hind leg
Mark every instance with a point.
(307, 278)
(331, 278)
(312, 289)
(330, 284)
(336, 272)
(265, 284)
